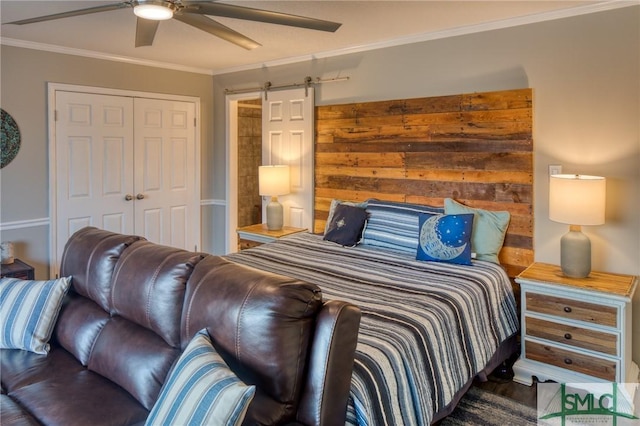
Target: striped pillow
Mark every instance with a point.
(28, 312)
(201, 390)
(394, 225)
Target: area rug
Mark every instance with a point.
(480, 407)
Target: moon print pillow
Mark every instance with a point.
(445, 238)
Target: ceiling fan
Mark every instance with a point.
(150, 12)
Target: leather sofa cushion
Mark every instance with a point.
(262, 332)
(79, 399)
(134, 358)
(137, 346)
(13, 415)
(57, 388)
(23, 368)
(89, 257)
(149, 284)
(80, 322)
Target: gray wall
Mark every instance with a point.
(585, 75)
(24, 74)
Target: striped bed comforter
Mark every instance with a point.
(426, 329)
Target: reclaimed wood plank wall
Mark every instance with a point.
(475, 148)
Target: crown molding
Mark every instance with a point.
(452, 32)
(418, 38)
(100, 55)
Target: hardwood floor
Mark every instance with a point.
(526, 395)
(500, 382)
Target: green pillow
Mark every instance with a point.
(489, 229)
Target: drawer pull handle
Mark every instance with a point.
(567, 336)
(567, 309)
(568, 361)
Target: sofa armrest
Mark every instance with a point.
(324, 398)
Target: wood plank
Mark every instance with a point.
(571, 335)
(585, 364)
(619, 284)
(507, 99)
(424, 144)
(572, 309)
(516, 161)
(483, 176)
(394, 107)
(370, 172)
(476, 148)
(360, 159)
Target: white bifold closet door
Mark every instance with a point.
(126, 165)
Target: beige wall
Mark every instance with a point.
(24, 74)
(585, 74)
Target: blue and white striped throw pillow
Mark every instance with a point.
(394, 225)
(201, 390)
(28, 312)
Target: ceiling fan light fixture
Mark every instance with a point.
(155, 11)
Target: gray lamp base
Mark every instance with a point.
(575, 253)
(274, 215)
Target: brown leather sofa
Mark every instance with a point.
(133, 308)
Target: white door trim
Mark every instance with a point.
(231, 120)
(52, 88)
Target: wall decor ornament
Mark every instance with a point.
(9, 138)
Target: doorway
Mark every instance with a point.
(233, 186)
(249, 159)
(287, 138)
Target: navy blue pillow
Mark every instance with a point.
(445, 238)
(346, 225)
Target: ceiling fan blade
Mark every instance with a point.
(79, 12)
(217, 29)
(250, 14)
(145, 31)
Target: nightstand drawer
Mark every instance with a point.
(572, 309)
(584, 338)
(585, 364)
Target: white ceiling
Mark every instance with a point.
(365, 25)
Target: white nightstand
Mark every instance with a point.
(254, 235)
(575, 330)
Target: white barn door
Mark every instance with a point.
(288, 138)
(127, 165)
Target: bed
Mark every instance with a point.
(428, 328)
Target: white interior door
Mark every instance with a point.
(94, 164)
(166, 210)
(287, 138)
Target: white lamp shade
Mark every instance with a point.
(155, 11)
(577, 199)
(273, 180)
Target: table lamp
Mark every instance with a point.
(576, 200)
(274, 181)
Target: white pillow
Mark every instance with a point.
(29, 311)
(201, 390)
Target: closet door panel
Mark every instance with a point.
(94, 164)
(125, 164)
(165, 176)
